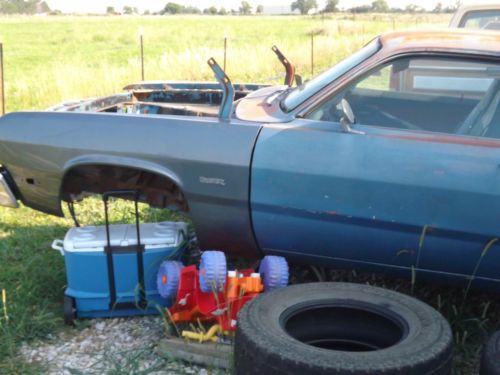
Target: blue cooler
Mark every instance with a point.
(110, 273)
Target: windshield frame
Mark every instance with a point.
(300, 94)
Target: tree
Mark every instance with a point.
(129, 10)
(438, 8)
(222, 11)
(412, 8)
(380, 6)
(172, 8)
(259, 9)
(191, 10)
(304, 6)
(361, 9)
(245, 8)
(331, 6)
(211, 11)
(110, 10)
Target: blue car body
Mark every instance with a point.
(282, 175)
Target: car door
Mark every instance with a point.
(418, 189)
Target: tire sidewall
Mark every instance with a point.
(490, 359)
(423, 336)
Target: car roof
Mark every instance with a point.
(460, 13)
(482, 6)
(442, 40)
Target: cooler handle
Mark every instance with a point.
(59, 246)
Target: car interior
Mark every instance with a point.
(437, 95)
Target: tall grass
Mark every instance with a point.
(50, 59)
(33, 275)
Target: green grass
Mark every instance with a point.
(34, 276)
(48, 60)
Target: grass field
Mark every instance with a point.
(48, 60)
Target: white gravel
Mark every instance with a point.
(118, 346)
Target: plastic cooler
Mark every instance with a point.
(111, 269)
(88, 273)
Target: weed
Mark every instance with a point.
(48, 60)
(485, 251)
(54, 59)
(33, 275)
(414, 268)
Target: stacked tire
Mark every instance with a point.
(341, 328)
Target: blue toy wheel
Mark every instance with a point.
(213, 271)
(167, 278)
(274, 272)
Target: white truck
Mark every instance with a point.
(477, 16)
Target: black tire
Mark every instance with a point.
(69, 310)
(341, 328)
(490, 360)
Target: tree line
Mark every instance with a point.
(245, 8)
(303, 6)
(306, 6)
(23, 7)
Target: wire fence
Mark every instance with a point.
(109, 59)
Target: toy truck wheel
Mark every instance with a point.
(213, 271)
(167, 279)
(274, 272)
(341, 328)
(69, 310)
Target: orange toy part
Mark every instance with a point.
(221, 307)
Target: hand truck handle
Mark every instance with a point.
(121, 193)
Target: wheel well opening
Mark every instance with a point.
(156, 190)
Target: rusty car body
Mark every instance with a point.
(413, 183)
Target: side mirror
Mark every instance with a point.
(347, 118)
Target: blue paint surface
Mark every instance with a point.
(329, 197)
(87, 276)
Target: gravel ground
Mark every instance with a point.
(112, 346)
(107, 346)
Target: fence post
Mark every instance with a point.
(312, 53)
(225, 52)
(2, 91)
(141, 37)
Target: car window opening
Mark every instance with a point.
(425, 94)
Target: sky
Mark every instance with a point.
(99, 6)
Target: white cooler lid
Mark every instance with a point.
(93, 238)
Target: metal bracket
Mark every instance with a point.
(226, 105)
(289, 67)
